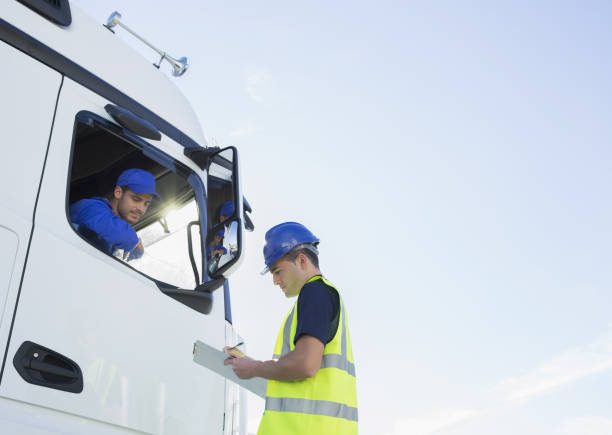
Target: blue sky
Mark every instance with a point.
(454, 158)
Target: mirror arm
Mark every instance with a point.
(200, 155)
(190, 248)
(248, 223)
(210, 286)
(246, 206)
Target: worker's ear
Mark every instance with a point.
(118, 192)
(302, 260)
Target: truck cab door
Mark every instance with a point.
(29, 91)
(131, 342)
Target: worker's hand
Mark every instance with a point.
(135, 253)
(243, 367)
(234, 352)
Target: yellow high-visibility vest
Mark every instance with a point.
(325, 404)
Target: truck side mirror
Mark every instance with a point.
(225, 208)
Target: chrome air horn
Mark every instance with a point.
(179, 66)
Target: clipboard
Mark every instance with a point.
(212, 359)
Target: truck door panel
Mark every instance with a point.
(29, 95)
(132, 342)
(9, 243)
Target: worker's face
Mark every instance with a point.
(131, 206)
(288, 275)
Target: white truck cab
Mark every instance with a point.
(93, 343)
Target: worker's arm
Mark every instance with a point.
(302, 362)
(98, 216)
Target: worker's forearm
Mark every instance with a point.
(285, 369)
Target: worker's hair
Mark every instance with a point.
(314, 259)
(110, 195)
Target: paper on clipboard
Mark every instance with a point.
(212, 359)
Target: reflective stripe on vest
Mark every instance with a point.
(314, 407)
(329, 360)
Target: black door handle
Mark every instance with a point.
(41, 366)
(51, 369)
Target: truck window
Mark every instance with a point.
(143, 232)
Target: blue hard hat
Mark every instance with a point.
(283, 238)
(138, 180)
(227, 209)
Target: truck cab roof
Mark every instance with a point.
(93, 49)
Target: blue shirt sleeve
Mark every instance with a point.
(317, 310)
(97, 215)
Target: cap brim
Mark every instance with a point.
(143, 191)
(266, 270)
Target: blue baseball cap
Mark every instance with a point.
(138, 180)
(227, 209)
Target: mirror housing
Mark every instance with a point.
(225, 213)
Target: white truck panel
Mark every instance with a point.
(29, 91)
(26, 419)
(29, 95)
(9, 243)
(132, 342)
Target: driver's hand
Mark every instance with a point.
(135, 253)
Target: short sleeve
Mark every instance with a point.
(317, 310)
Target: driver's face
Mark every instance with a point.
(288, 276)
(131, 206)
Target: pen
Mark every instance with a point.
(235, 346)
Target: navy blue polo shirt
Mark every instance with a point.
(98, 223)
(318, 310)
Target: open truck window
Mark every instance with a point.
(101, 153)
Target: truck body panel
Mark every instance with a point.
(131, 341)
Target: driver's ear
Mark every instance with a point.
(118, 192)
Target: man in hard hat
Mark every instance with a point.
(107, 222)
(311, 380)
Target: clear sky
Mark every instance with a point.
(454, 159)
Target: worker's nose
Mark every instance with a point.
(275, 280)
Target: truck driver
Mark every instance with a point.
(107, 222)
